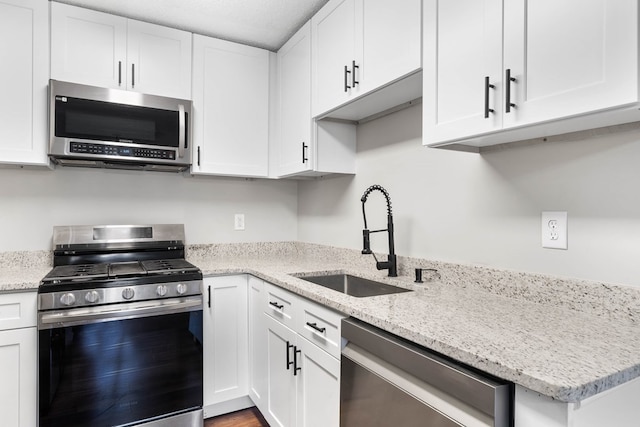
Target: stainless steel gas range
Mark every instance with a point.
(120, 329)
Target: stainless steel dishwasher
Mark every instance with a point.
(387, 381)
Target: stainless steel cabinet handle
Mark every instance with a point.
(119, 73)
(487, 86)
(198, 156)
(304, 152)
(209, 292)
(508, 79)
(133, 76)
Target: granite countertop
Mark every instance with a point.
(540, 338)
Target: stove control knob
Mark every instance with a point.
(68, 299)
(181, 288)
(91, 297)
(128, 293)
(161, 290)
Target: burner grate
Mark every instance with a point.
(77, 272)
(168, 266)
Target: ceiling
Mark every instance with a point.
(263, 23)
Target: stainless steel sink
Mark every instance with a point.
(353, 285)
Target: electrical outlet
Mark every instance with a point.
(239, 222)
(554, 230)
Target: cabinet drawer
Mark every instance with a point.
(18, 310)
(320, 325)
(280, 304)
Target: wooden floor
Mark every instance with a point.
(248, 418)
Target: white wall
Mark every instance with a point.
(485, 209)
(33, 201)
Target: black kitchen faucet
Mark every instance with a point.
(391, 263)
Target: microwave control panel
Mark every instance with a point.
(120, 150)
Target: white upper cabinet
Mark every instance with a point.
(360, 46)
(294, 82)
(88, 47)
(230, 108)
(334, 55)
(569, 57)
(24, 50)
(100, 49)
(306, 147)
(392, 41)
(499, 71)
(159, 60)
(465, 38)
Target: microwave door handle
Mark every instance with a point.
(182, 143)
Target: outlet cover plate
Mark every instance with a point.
(554, 230)
(238, 222)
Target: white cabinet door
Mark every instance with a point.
(392, 47)
(159, 60)
(100, 49)
(550, 68)
(334, 55)
(230, 108)
(359, 47)
(307, 147)
(318, 395)
(225, 339)
(295, 148)
(281, 383)
(88, 47)
(24, 49)
(257, 344)
(463, 47)
(18, 367)
(570, 57)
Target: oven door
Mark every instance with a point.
(122, 364)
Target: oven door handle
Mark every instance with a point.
(106, 313)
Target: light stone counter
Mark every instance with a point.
(563, 338)
(22, 271)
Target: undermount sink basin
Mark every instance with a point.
(353, 285)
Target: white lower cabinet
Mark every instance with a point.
(226, 344)
(268, 347)
(18, 359)
(281, 381)
(614, 407)
(303, 379)
(318, 393)
(257, 343)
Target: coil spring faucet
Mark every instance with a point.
(391, 263)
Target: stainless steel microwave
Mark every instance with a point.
(110, 128)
